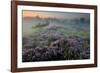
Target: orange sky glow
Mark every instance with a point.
(34, 14)
(61, 15)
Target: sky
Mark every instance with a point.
(62, 15)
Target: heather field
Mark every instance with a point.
(56, 37)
